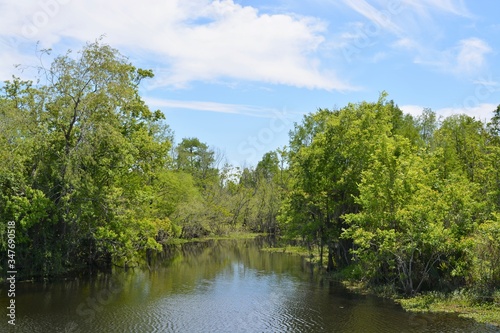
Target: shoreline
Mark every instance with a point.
(463, 303)
(86, 270)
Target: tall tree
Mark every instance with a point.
(196, 158)
(411, 223)
(92, 149)
(327, 156)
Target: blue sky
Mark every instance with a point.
(238, 74)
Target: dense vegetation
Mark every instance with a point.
(408, 202)
(92, 177)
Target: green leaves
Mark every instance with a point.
(89, 173)
(329, 152)
(87, 152)
(406, 197)
(486, 255)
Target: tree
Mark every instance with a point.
(91, 150)
(463, 140)
(413, 226)
(327, 156)
(427, 124)
(492, 168)
(264, 194)
(194, 157)
(494, 124)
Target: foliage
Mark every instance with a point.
(84, 153)
(463, 302)
(90, 176)
(409, 229)
(327, 156)
(486, 256)
(413, 202)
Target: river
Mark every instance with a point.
(215, 286)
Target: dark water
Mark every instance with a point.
(215, 286)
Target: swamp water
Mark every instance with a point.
(215, 286)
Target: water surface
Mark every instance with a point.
(216, 286)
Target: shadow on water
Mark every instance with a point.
(216, 286)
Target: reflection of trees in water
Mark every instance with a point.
(225, 285)
(198, 261)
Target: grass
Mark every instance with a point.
(230, 235)
(310, 256)
(299, 250)
(236, 235)
(465, 304)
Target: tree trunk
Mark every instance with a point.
(330, 264)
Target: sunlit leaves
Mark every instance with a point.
(85, 152)
(412, 195)
(328, 154)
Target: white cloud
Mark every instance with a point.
(467, 58)
(418, 29)
(456, 7)
(403, 17)
(487, 82)
(381, 18)
(423, 33)
(11, 56)
(414, 110)
(471, 55)
(406, 43)
(482, 111)
(198, 40)
(240, 109)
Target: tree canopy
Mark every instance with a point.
(91, 176)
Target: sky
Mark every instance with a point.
(237, 74)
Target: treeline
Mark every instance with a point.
(92, 177)
(412, 203)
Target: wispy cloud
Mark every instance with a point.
(415, 26)
(424, 7)
(237, 109)
(406, 43)
(488, 82)
(401, 17)
(378, 17)
(466, 58)
(197, 40)
(482, 111)
(471, 54)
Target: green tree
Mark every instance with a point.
(327, 156)
(265, 194)
(492, 169)
(91, 150)
(413, 227)
(494, 124)
(196, 158)
(427, 124)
